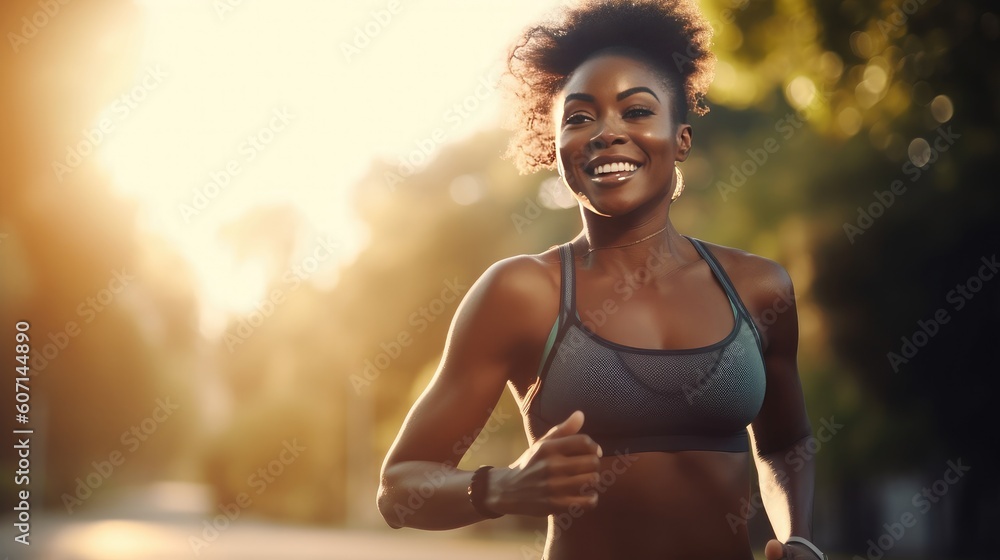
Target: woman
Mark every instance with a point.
(644, 373)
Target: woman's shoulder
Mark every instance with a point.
(755, 277)
(520, 280)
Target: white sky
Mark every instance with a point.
(226, 71)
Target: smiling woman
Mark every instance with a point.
(643, 418)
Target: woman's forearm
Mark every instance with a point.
(787, 481)
(426, 495)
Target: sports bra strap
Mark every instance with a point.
(727, 284)
(568, 301)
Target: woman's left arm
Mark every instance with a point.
(781, 429)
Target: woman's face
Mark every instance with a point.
(616, 142)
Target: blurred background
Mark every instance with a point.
(218, 220)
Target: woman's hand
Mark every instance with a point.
(557, 472)
(775, 550)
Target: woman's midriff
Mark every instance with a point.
(686, 505)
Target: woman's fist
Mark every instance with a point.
(556, 472)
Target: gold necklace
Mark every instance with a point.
(636, 242)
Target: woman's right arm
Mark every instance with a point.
(494, 334)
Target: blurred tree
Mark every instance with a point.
(281, 384)
(99, 360)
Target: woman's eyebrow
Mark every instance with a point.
(581, 96)
(630, 91)
(635, 90)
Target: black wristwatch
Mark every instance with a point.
(477, 492)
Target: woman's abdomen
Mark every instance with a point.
(660, 505)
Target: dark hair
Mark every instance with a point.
(671, 36)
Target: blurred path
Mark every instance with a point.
(160, 524)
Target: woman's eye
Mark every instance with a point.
(636, 112)
(577, 118)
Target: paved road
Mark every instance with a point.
(168, 522)
(111, 539)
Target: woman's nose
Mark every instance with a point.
(607, 136)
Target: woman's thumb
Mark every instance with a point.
(567, 427)
(774, 550)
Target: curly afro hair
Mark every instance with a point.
(670, 35)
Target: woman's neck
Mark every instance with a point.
(652, 244)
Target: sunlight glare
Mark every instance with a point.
(267, 102)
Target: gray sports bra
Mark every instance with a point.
(636, 399)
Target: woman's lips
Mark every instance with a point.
(614, 178)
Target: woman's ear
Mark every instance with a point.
(683, 141)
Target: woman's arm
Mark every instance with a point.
(492, 337)
(784, 467)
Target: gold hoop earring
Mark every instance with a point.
(679, 188)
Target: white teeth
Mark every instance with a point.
(615, 167)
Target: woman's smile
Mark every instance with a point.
(611, 170)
